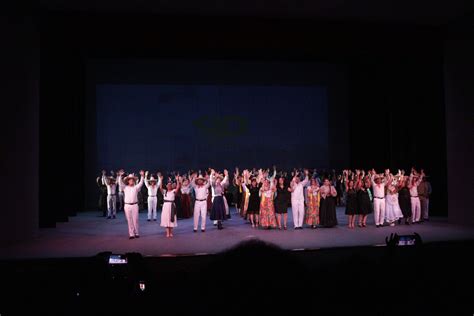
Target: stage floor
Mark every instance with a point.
(88, 234)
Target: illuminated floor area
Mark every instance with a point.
(88, 234)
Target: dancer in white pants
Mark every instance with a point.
(413, 183)
(130, 190)
(378, 187)
(201, 190)
(297, 199)
(111, 197)
(152, 187)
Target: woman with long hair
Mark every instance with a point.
(169, 220)
(392, 209)
(404, 198)
(327, 210)
(312, 204)
(185, 198)
(252, 187)
(351, 199)
(282, 200)
(267, 209)
(364, 198)
(218, 210)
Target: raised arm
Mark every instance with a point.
(306, 179)
(274, 174)
(212, 177)
(372, 176)
(225, 182)
(120, 180)
(142, 179)
(146, 182)
(105, 180)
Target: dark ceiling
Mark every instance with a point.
(424, 12)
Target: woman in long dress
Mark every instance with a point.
(281, 202)
(327, 210)
(252, 188)
(218, 210)
(312, 204)
(404, 199)
(364, 200)
(239, 199)
(169, 220)
(186, 210)
(267, 209)
(351, 200)
(392, 209)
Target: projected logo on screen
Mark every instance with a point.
(218, 127)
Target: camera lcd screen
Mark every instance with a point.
(117, 259)
(406, 240)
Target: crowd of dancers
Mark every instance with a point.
(262, 197)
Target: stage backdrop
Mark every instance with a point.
(175, 115)
(177, 127)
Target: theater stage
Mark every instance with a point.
(88, 234)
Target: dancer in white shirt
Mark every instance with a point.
(152, 185)
(201, 190)
(297, 198)
(413, 183)
(130, 189)
(111, 197)
(378, 187)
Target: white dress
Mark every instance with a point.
(392, 208)
(166, 210)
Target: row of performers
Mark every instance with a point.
(264, 200)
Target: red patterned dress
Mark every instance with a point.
(312, 206)
(267, 210)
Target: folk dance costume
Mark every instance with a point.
(168, 219)
(351, 202)
(404, 201)
(201, 193)
(312, 206)
(218, 211)
(111, 197)
(392, 208)
(267, 210)
(414, 198)
(327, 209)
(364, 201)
(379, 200)
(186, 202)
(297, 202)
(152, 187)
(253, 205)
(131, 203)
(282, 199)
(239, 198)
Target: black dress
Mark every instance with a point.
(239, 192)
(364, 203)
(282, 200)
(102, 197)
(404, 201)
(351, 202)
(327, 211)
(254, 200)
